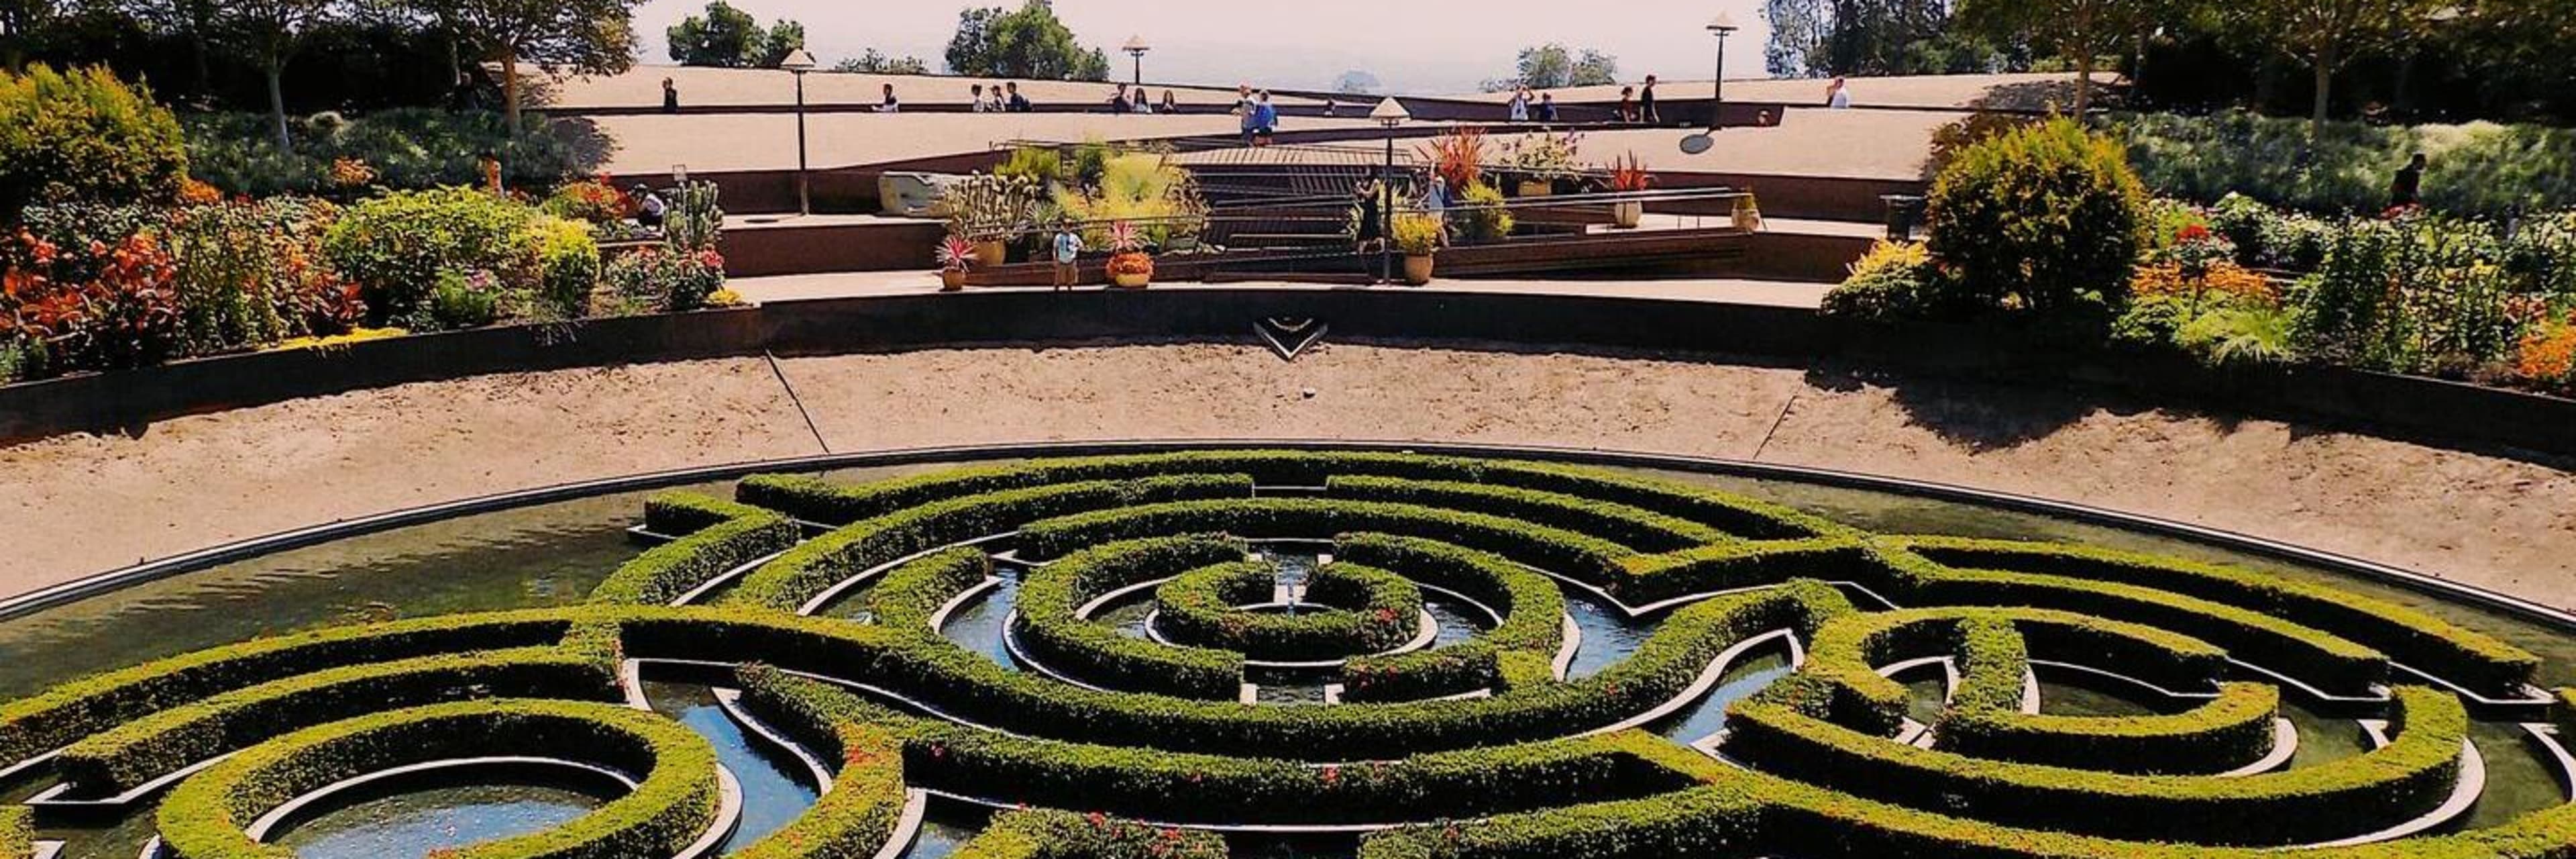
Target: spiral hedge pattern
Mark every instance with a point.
(1146, 739)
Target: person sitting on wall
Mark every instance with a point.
(890, 104)
(1118, 102)
(1144, 104)
(999, 104)
(1838, 95)
(1171, 102)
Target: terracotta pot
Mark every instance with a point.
(1748, 219)
(1534, 188)
(1627, 216)
(951, 280)
(991, 253)
(1131, 281)
(1417, 269)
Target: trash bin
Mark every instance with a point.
(1904, 214)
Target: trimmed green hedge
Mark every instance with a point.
(2222, 735)
(2465, 656)
(1701, 822)
(671, 807)
(1736, 566)
(715, 536)
(1099, 653)
(859, 815)
(2404, 779)
(80, 708)
(2334, 664)
(17, 832)
(165, 742)
(821, 501)
(1587, 558)
(1046, 834)
(912, 593)
(1519, 652)
(824, 561)
(1637, 528)
(1369, 611)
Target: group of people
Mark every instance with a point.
(1000, 98)
(1135, 100)
(1635, 106)
(1260, 117)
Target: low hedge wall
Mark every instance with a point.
(1519, 652)
(716, 536)
(2334, 664)
(1368, 611)
(2473, 659)
(1737, 566)
(1637, 528)
(1100, 654)
(1587, 558)
(2402, 780)
(1046, 834)
(821, 501)
(68, 712)
(165, 742)
(1699, 822)
(17, 832)
(2225, 734)
(858, 817)
(912, 593)
(670, 807)
(824, 561)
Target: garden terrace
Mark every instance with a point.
(1469, 673)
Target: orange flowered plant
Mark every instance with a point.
(2548, 356)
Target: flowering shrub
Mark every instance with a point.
(84, 135)
(595, 201)
(659, 279)
(394, 247)
(568, 267)
(1896, 280)
(126, 316)
(252, 274)
(1458, 157)
(2547, 357)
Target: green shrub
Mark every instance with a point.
(1100, 654)
(659, 280)
(461, 300)
(715, 537)
(1044, 834)
(405, 149)
(253, 274)
(670, 807)
(1637, 528)
(395, 248)
(83, 135)
(857, 817)
(1894, 281)
(17, 832)
(2040, 218)
(1369, 611)
(910, 594)
(1483, 215)
(568, 266)
(1518, 652)
(2480, 170)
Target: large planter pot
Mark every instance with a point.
(991, 253)
(1131, 281)
(1536, 188)
(951, 280)
(1627, 216)
(1417, 269)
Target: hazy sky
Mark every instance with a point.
(1413, 45)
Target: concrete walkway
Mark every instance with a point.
(810, 287)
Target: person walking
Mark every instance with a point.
(1547, 107)
(1628, 104)
(1520, 106)
(1247, 109)
(890, 104)
(1646, 111)
(670, 96)
(1265, 121)
(1838, 95)
(1019, 103)
(1068, 256)
(2407, 190)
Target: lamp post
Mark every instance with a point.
(1136, 48)
(1389, 114)
(798, 62)
(1723, 26)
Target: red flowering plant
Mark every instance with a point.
(126, 316)
(956, 254)
(594, 200)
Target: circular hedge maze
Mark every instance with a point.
(1406, 656)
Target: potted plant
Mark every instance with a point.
(1748, 213)
(1628, 176)
(956, 254)
(1130, 267)
(988, 209)
(1542, 160)
(1417, 237)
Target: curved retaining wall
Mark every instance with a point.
(2424, 410)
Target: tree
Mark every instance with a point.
(23, 24)
(1554, 66)
(876, 62)
(193, 20)
(266, 34)
(2080, 30)
(2328, 34)
(726, 37)
(1798, 29)
(1028, 43)
(588, 36)
(1356, 82)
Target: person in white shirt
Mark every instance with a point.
(891, 104)
(1521, 104)
(1838, 95)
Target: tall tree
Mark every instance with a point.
(1030, 42)
(1798, 30)
(266, 34)
(191, 20)
(1357, 82)
(1554, 66)
(726, 37)
(2079, 30)
(2329, 34)
(587, 36)
(22, 26)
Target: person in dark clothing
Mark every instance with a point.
(670, 96)
(2408, 190)
(1646, 112)
(1018, 103)
(1547, 107)
(1372, 229)
(1118, 102)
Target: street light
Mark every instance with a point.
(798, 62)
(1136, 47)
(1389, 114)
(1723, 26)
